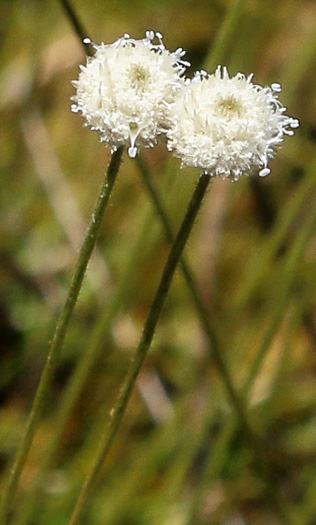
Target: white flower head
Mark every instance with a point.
(125, 88)
(227, 126)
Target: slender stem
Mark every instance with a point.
(60, 333)
(225, 36)
(214, 348)
(203, 314)
(282, 292)
(284, 288)
(142, 349)
(211, 469)
(267, 252)
(77, 25)
(216, 354)
(74, 387)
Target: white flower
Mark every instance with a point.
(227, 126)
(125, 88)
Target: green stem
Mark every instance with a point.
(225, 36)
(285, 283)
(74, 387)
(160, 210)
(282, 292)
(214, 348)
(60, 333)
(216, 354)
(77, 25)
(142, 349)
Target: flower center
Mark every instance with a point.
(139, 76)
(230, 107)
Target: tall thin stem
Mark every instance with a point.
(225, 35)
(214, 347)
(217, 356)
(83, 367)
(142, 349)
(284, 288)
(77, 25)
(202, 312)
(60, 333)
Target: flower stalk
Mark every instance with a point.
(77, 25)
(60, 333)
(216, 354)
(142, 349)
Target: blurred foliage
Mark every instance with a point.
(180, 458)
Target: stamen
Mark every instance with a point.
(264, 172)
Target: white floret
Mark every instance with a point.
(125, 89)
(227, 126)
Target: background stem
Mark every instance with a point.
(218, 52)
(60, 333)
(77, 25)
(217, 355)
(143, 347)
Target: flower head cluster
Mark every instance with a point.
(125, 89)
(227, 126)
(133, 91)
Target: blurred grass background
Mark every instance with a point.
(180, 457)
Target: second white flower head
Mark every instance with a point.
(227, 126)
(123, 91)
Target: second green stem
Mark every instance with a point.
(143, 347)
